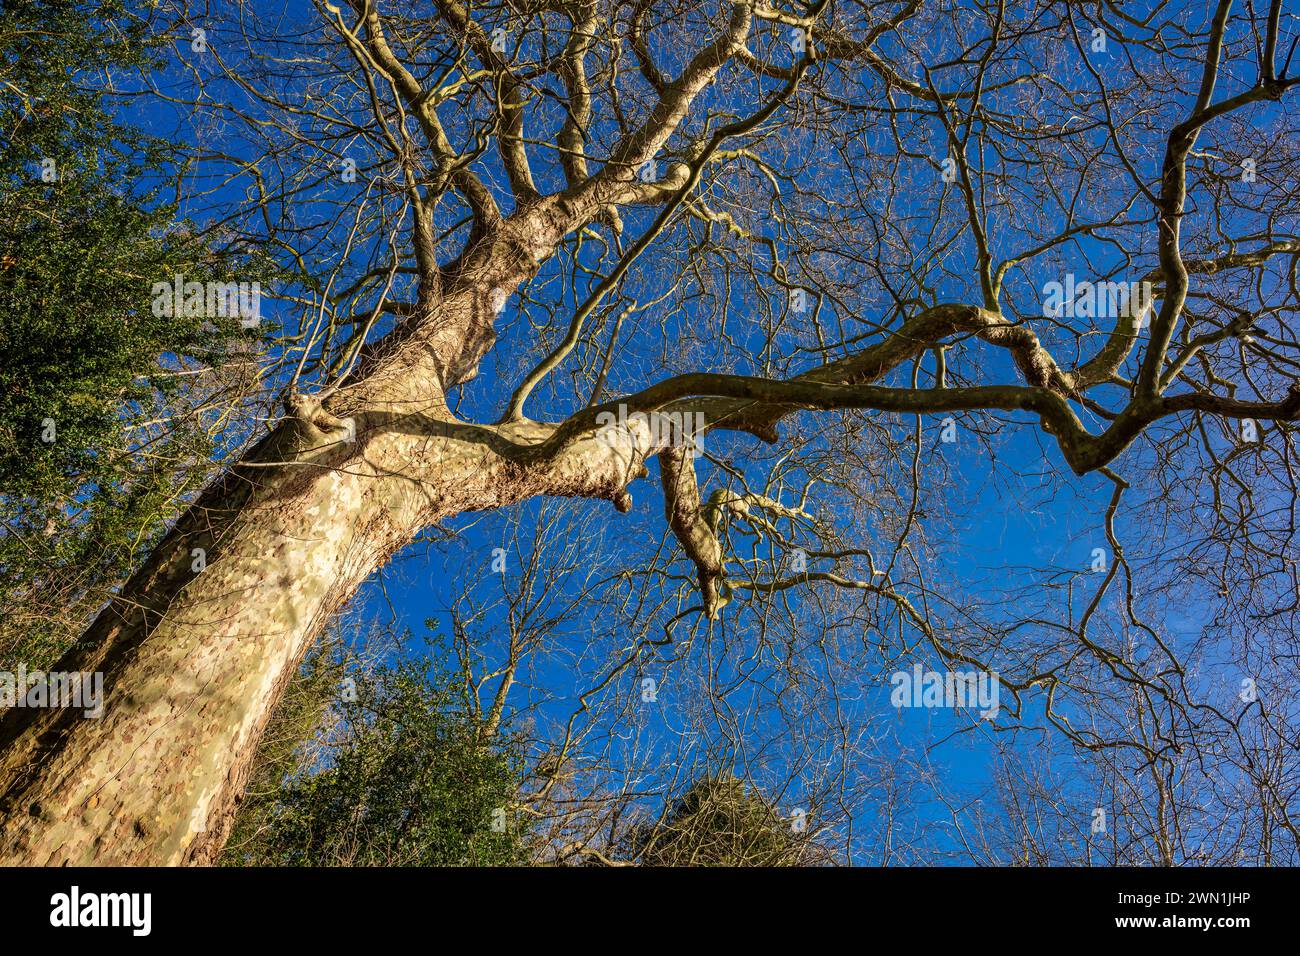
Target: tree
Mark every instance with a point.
(108, 414)
(880, 192)
(394, 775)
(719, 822)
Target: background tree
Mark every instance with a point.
(390, 773)
(111, 414)
(719, 822)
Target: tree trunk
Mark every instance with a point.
(194, 661)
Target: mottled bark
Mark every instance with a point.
(193, 663)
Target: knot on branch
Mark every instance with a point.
(691, 526)
(697, 526)
(314, 422)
